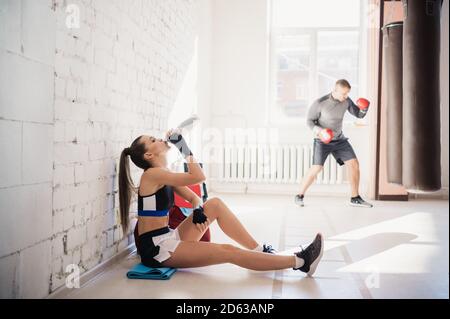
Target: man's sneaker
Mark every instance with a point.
(358, 201)
(311, 255)
(268, 249)
(299, 200)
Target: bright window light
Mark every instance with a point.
(313, 44)
(315, 14)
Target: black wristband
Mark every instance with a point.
(198, 216)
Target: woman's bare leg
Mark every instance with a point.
(216, 209)
(199, 254)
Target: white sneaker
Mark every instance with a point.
(299, 200)
(358, 201)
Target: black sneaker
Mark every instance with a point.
(311, 255)
(268, 249)
(358, 201)
(299, 200)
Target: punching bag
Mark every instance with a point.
(393, 65)
(421, 169)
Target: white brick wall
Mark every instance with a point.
(35, 270)
(26, 216)
(10, 31)
(11, 146)
(70, 101)
(37, 153)
(26, 89)
(8, 274)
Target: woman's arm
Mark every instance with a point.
(194, 169)
(164, 177)
(188, 195)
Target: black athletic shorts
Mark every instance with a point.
(157, 245)
(340, 149)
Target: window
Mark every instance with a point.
(302, 92)
(313, 44)
(293, 73)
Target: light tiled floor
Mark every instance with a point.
(394, 250)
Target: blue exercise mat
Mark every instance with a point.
(140, 271)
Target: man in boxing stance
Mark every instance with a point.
(325, 117)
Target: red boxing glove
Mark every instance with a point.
(326, 135)
(362, 103)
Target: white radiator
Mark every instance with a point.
(285, 164)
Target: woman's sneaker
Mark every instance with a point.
(311, 255)
(358, 201)
(299, 200)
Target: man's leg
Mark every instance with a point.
(309, 178)
(320, 154)
(353, 171)
(344, 153)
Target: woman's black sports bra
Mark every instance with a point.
(157, 204)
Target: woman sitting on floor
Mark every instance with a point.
(160, 246)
